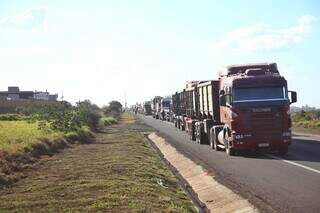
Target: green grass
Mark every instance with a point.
(15, 136)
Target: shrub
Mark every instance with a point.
(11, 117)
(106, 121)
(72, 136)
(83, 135)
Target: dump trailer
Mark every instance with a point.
(147, 108)
(156, 107)
(175, 108)
(192, 108)
(179, 109)
(208, 110)
(246, 109)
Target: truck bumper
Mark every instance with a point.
(254, 144)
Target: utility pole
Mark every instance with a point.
(125, 101)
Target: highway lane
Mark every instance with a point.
(269, 183)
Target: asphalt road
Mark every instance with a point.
(270, 181)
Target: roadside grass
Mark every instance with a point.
(120, 172)
(17, 136)
(308, 124)
(23, 142)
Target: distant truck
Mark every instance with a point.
(166, 104)
(247, 108)
(156, 107)
(147, 108)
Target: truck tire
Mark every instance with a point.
(192, 133)
(229, 150)
(283, 150)
(200, 135)
(211, 138)
(214, 137)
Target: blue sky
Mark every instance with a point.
(102, 50)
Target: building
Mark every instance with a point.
(41, 96)
(14, 93)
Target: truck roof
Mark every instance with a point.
(269, 79)
(241, 68)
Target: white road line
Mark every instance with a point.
(293, 163)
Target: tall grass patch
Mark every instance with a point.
(17, 135)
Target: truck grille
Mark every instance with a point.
(265, 125)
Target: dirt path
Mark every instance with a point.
(120, 172)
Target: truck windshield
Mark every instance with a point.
(259, 94)
(166, 104)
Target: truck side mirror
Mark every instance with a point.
(293, 97)
(222, 100)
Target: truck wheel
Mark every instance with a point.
(192, 135)
(215, 144)
(284, 150)
(214, 138)
(211, 138)
(229, 150)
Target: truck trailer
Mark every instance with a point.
(179, 109)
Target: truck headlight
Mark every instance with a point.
(237, 137)
(286, 134)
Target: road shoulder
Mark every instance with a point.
(214, 195)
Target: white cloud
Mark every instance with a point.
(31, 19)
(262, 37)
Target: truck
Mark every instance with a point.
(166, 105)
(147, 108)
(247, 108)
(156, 107)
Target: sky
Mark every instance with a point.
(108, 50)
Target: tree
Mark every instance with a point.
(114, 107)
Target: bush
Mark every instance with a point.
(106, 121)
(83, 135)
(11, 117)
(63, 116)
(72, 136)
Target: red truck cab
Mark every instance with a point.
(254, 108)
